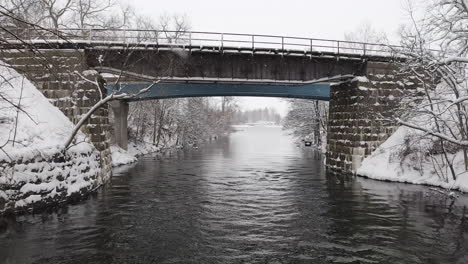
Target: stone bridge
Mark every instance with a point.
(189, 68)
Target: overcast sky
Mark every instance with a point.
(329, 19)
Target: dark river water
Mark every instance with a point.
(254, 197)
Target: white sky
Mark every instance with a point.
(329, 19)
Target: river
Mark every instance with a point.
(255, 197)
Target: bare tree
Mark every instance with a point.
(70, 13)
(56, 11)
(174, 27)
(26, 10)
(90, 13)
(437, 108)
(308, 119)
(364, 33)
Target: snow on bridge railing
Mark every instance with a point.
(193, 39)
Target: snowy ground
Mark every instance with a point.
(38, 129)
(260, 123)
(384, 165)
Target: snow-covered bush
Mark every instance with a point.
(434, 112)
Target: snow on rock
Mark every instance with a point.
(34, 172)
(361, 79)
(121, 156)
(383, 164)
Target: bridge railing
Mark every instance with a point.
(200, 39)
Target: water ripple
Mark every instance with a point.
(243, 200)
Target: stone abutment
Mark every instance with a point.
(54, 74)
(361, 114)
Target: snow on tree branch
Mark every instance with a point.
(114, 95)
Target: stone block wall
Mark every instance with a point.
(48, 179)
(360, 115)
(53, 72)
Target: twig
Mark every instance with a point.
(17, 111)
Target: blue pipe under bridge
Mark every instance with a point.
(165, 90)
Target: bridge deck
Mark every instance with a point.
(73, 38)
(102, 45)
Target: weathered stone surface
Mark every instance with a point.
(360, 113)
(53, 72)
(51, 180)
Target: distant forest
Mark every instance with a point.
(256, 115)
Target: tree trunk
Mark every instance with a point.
(154, 124)
(161, 123)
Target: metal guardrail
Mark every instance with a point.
(203, 39)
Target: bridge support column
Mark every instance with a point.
(120, 110)
(359, 115)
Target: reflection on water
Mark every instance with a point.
(255, 197)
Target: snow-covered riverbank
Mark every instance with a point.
(122, 157)
(386, 163)
(135, 150)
